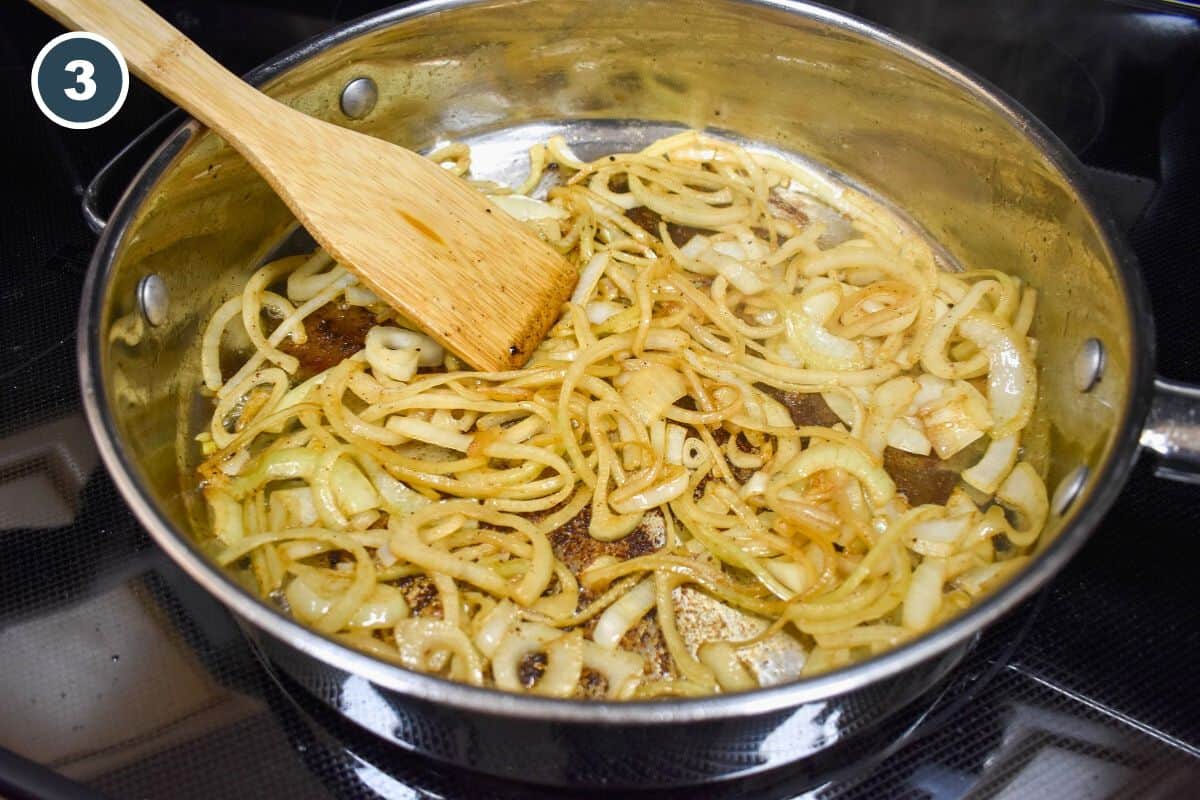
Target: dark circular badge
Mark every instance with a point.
(79, 80)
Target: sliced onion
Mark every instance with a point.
(526, 208)
(903, 435)
(296, 508)
(383, 608)
(621, 669)
(814, 347)
(600, 311)
(388, 358)
(955, 421)
(671, 487)
(675, 439)
(353, 492)
(842, 405)
(980, 579)
(622, 615)
(589, 277)
(755, 486)
(492, 628)
(789, 573)
(649, 391)
(1024, 492)
(730, 672)
(1012, 380)
(924, 596)
(416, 638)
(564, 666)
(360, 296)
(834, 455)
(739, 274)
(990, 471)
(429, 433)
(940, 537)
(887, 401)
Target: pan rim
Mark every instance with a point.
(1107, 483)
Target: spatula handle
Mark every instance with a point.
(173, 64)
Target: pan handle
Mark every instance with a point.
(124, 165)
(1172, 430)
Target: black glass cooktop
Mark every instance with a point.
(121, 678)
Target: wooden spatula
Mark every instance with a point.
(422, 239)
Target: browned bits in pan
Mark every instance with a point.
(335, 332)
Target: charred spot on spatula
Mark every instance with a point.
(422, 228)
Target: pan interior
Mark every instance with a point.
(502, 75)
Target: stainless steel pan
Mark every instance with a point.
(989, 183)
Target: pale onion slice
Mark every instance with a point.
(904, 435)
(292, 508)
(564, 660)
(353, 492)
(739, 274)
(526, 208)
(564, 666)
(235, 463)
(834, 455)
(589, 276)
(429, 433)
(650, 390)
(814, 347)
(941, 537)
(924, 596)
(695, 246)
(955, 421)
(562, 153)
(757, 485)
(979, 580)
(959, 502)
(417, 638)
(624, 200)
(276, 465)
(676, 438)
(622, 615)
(306, 281)
(887, 401)
(1012, 380)
(397, 497)
(789, 573)
(429, 352)
(388, 356)
(747, 248)
(1024, 492)
(383, 608)
(731, 673)
(988, 473)
(842, 405)
(600, 311)
(225, 514)
(494, 626)
(672, 486)
(695, 453)
(620, 668)
(932, 390)
(360, 296)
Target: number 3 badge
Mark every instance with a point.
(79, 80)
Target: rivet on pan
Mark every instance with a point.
(1068, 489)
(359, 97)
(1089, 365)
(152, 299)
